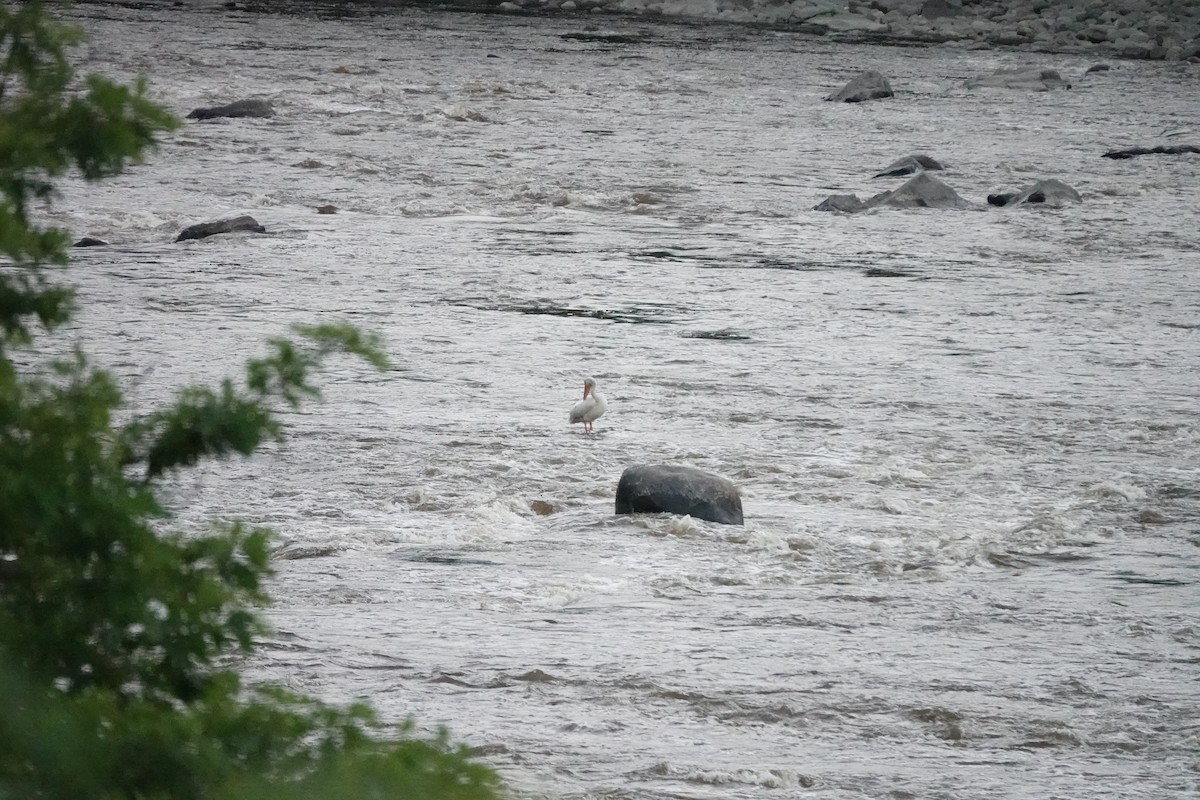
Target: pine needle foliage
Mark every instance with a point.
(117, 635)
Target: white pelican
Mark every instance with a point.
(590, 408)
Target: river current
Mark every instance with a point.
(966, 440)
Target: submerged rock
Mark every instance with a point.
(847, 203)
(662, 488)
(241, 108)
(908, 165)
(1034, 80)
(205, 229)
(868, 86)
(1051, 192)
(88, 241)
(607, 37)
(1170, 150)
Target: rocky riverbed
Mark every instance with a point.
(1140, 29)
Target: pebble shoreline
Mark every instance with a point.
(1167, 30)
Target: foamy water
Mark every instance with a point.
(967, 441)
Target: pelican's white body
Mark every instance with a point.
(590, 408)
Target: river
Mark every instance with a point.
(967, 440)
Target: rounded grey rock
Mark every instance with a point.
(667, 489)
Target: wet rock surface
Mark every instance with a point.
(870, 85)
(909, 165)
(1033, 80)
(203, 230)
(920, 191)
(1051, 192)
(663, 488)
(1170, 150)
(242, 108)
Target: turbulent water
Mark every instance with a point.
(966, 440)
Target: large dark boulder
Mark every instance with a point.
(241, 108)
(908, 166)
(1051, 192)
(203, 229)
(666, 489)
(1034, 80)
(90, 241)
(868, 86)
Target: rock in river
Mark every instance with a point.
(662, 488)
(868, 86)
(203, 229)
(920, 191)
(1170, 150)
(908, 165)
(241, 108)
(846, 203)
(1036, 80)
(1051, 192)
